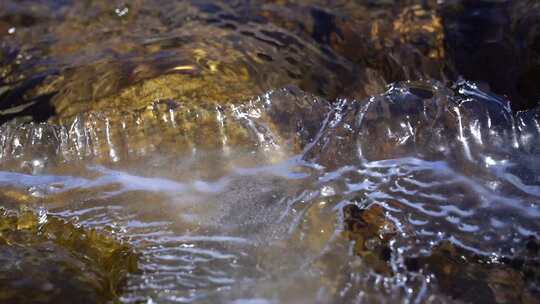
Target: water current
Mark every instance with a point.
(274, 152)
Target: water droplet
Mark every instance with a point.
(327, 191)
(121, 11)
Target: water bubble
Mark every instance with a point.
(327, 191)
(121, 11)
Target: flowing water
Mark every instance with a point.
(269, 152)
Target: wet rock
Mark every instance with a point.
(186, 51)
(178, 51)
(495, 42)
(371, 232)
(280, 122)
(470, 277)
(45, 259)
(386, 41)
(166, 88)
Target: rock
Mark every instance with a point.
(422, 118)
(45, 259)
(371, 232)
(273, 125)
(470, 277)
(495, 42)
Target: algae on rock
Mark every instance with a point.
(46, 259)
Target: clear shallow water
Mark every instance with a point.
(180, 128)
(275, 229)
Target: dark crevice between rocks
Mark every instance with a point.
(495, 42)
(17, 101)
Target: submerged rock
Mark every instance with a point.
(188, 52)
(476, 278)
(340, 197)
(44, 259)
(278, 123)
(99, 56)
(460, 123)
(371, 233)
(288, 185)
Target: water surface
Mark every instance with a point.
(281, 152)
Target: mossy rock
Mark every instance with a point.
(45, 259)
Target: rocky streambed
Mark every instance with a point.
(269, 152)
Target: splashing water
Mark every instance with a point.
(443, 163)
(274, 152)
